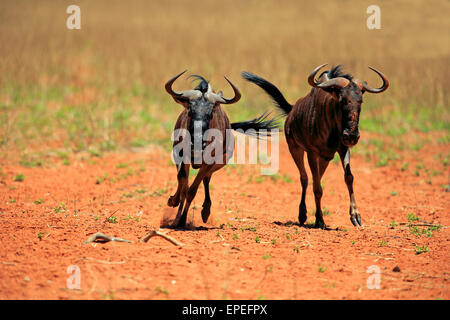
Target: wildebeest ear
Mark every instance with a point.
(220, 94)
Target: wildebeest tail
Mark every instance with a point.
(260, 126)
(280, 102)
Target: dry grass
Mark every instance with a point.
(102, 85)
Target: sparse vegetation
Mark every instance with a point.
(60, 208)
(158, 192)
(382, 243)
(412, 217)
(321, 268)
(160, 289)
(19, 177)
(421, 249)
(112, 219)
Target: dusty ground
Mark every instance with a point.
(248, 250)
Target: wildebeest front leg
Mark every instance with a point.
(344, 154)
(192, 191)
(206, 210)
(318, 166)
(183, 179)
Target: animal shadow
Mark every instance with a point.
(306, 225)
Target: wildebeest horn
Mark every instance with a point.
(339, 82)
(372, 90)
(311, 80)
(188, 94)
(237, 94)
(213, 97)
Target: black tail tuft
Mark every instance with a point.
(260, 126)
(271, 90)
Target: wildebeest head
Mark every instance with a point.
(349, 94)
(200, 103)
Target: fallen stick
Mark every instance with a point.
(421, 225)
(163, 235)
(104, 237)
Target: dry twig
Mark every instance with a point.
(162, 235)
(105, 238)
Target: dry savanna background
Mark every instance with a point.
(85, 128)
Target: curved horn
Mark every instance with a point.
(311, 81)
(380, 89)
(169, 83)
(189, 94)
(237, 94)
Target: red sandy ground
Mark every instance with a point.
(221, 262)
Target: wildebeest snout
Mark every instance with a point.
(350, 138)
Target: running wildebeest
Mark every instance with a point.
(321, 123)
(202, 114)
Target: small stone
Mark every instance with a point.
(26, 279)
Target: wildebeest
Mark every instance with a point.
(321, 123)
(202, 114)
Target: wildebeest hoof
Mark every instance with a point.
(302, 218)
(320, 224)
(180, 226)
(356, 220)
(206, 211)
(173, 202)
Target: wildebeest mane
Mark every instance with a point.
(337, 71)
(203, 85)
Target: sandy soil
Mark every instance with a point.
(249, 249)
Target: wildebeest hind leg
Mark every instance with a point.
(318, 166)
(298, 156)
